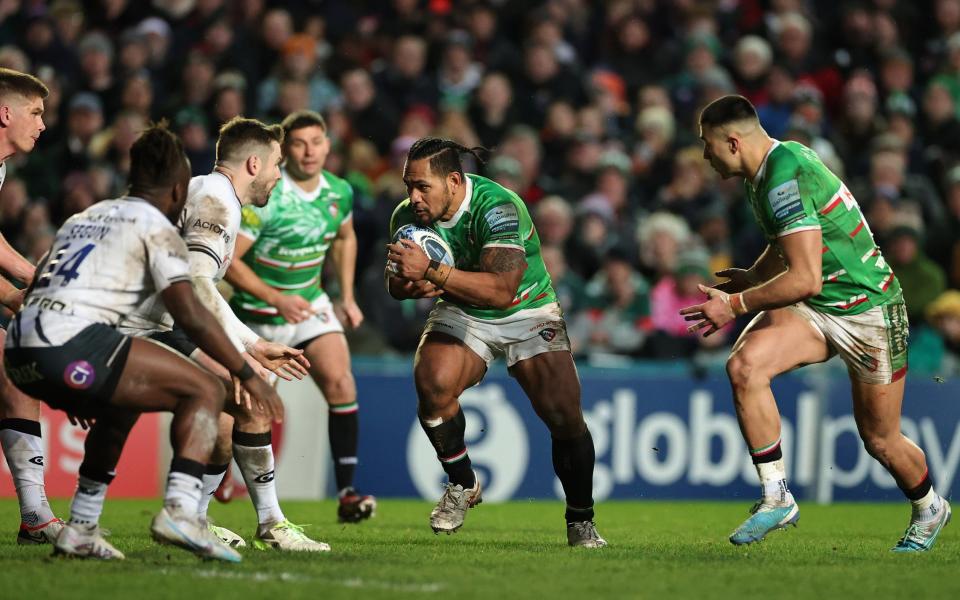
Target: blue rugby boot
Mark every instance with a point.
(921, 535)
(766, 516)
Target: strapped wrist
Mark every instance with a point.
(738, 305)
(438, 273)
(245, 373)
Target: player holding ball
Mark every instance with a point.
(496, 300)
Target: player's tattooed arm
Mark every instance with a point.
(495, 285)
(503, 260)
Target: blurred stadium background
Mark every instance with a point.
(590, 108)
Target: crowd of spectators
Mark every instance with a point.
(589, 108)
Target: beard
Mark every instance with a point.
(426, 219)
(260, 191)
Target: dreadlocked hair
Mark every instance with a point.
(444, 154)
(156, 158)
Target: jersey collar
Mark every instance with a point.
(464, 206)
(763, 165)
(229, 185)
(299, 192)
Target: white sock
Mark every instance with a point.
(211, 481)
(928, 507)
(256, 465)
(183, 492)
(773, 478)
(24, 454)
(88, 501)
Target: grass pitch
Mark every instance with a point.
(513, 550)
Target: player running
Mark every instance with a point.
(247, 169)
(497, 301)
(64, 349)
(821, 288)
(277, 270)
(21, 122)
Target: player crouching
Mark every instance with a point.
(63, 348)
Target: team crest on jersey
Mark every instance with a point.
(548, 334)
(79, 375)
(334, 209)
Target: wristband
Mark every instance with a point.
(433, 266)
(437, 273)
(246, 372)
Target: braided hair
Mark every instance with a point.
(444, 154)
(156, 159)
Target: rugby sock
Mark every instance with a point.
(573, 461)
(772, 472)
(212, 476)
(342, 427)
(254, 453)
(184, 485)
(926, 503)
(23, 449)
(91, 493)
(447, 439)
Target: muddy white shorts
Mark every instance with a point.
(873, 343)
(520, 336)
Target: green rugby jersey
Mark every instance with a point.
(491, 216)
(291, 234)
(793, 191)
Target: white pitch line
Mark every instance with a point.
(354, 582)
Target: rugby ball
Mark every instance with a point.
(429, 240)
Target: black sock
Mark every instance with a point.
(920, 490)
(343, 430)
(573, 463)
(447, 440)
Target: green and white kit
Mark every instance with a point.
(291, 236)
(793, 191)
(492, 216)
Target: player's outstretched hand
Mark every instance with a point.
(293, 308)
(410, 261)
(265, 398)
(739, 280)
(285, 362)
(711, 315)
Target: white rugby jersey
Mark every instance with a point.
(104, 263)
(209, 224)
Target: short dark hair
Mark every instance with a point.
(23, 84)
(156, 158)
(728, 109)
(302, 119)
(240, 135)
(444, 154)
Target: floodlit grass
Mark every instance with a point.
(512, 550)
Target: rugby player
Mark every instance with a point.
(821, 287)
(63, 348)
(498, 300)
(248, 156)
(21, 122)
(277, 270)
